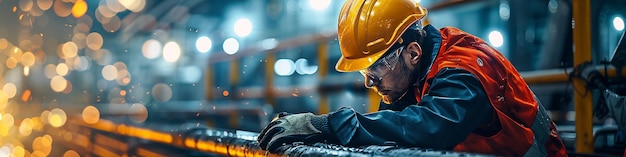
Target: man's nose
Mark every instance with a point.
(370, 83)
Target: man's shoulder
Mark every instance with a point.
(450, 31)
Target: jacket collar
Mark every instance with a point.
(430, 48)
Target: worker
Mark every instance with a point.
(441, 88)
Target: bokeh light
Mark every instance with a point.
(4, 100)
(303, 68)
(171, 51)
(57, 117)
(115, 5)
(70, 153)
(319, 4)
(151, 49)
(133, 5)
(138, 113)
(204, 44)
(62, 8)
(7, 120)
(18, 151)
(69, 50)
(26, 127)
(161, 92)
(50, 71)
(26, 5)
(11, 62)
(44, 116)
(105, 11)
(284, 67)
(243, 27)
(94, 41)
(28, 59)
(109, 72)
(3, 43)
(44, 4)
(618, 23)
(113, 24)
(496, 39)
(62, 69)
(58, 83)
(91, 115)
(79, 9)
(230, 46)
(9, 89)
(42, 146)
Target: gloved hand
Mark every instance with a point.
(289, 128)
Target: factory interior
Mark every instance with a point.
(157, 78)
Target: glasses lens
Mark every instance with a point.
(383, 65)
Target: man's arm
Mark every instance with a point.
(455, 104)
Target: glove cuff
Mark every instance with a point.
(321, 123)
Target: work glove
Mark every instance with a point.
(289, 128)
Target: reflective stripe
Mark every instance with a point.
(541, 129)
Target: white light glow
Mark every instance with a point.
(504, 11)
(171, 51)
(303, 68)
(243, 27)
(109, 72)
(284, 67)
(618, 23)
(231, 46)
(496, 39)
(269, 43)
(191, 74)
(151, 49)
(204, 44)
(319, 4)
(133, 5)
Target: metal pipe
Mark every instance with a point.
(322, 56)
(563, 75)
(282, 45)
(583, 100)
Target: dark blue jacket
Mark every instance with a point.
(455, 104)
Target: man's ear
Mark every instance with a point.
(415, 52)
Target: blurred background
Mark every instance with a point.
(124, 77)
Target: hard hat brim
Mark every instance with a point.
(351, 65)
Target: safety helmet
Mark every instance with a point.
(368, 28)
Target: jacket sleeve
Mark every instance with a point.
(455, 104)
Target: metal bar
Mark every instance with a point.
(259, 48)
(269, 93)
(234, 73)
(562, 75)
(546, 76)
(583, 104)
(233, 117)
(322, 56)
(209, 82)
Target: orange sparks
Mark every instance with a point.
(26, 95)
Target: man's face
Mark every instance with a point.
(388, 76)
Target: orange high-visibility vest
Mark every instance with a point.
(526, 130)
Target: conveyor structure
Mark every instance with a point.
(106, 138)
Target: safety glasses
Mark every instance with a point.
(382, 66)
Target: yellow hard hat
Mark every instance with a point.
(368, 28)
